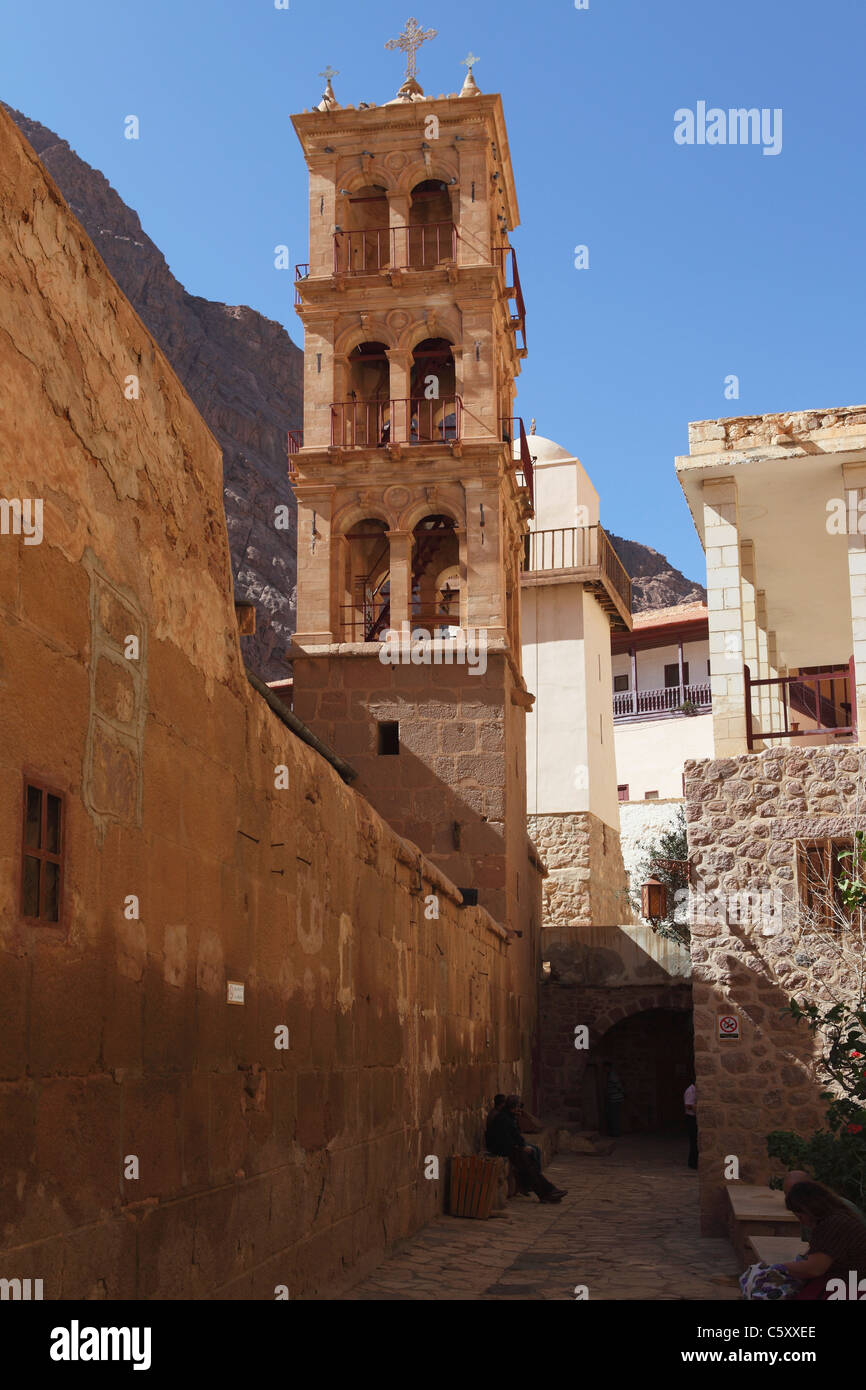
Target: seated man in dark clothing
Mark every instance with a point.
(498, 1103)
(504, 1138)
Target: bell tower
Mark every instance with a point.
(413, 477)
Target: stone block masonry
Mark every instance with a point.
(251, 861)
(587, 883)
(745, 816)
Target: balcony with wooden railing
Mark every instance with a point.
(421, 247)
(776, 707)
(567, 554)
(375, 424)
(671, 699)
(514, 432)
(514, 291)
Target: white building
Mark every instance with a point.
(574, 590)
(662, 715)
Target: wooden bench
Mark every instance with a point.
(757, 1211)
(776, 1250)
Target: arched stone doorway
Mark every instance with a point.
(653, 1056)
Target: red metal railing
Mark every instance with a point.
(374, 424)
(512, 430)
(833, 712)
(410, 247)
(629, 704)
(302, 272)
(514, 292)
(296, 441)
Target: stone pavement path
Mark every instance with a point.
(628, 1229)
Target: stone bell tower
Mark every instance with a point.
(412, 477)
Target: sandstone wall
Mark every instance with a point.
(258, 1167)
(745, 815)
(587, 882)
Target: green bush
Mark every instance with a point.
(839, 1160)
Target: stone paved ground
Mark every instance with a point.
(628, 1229)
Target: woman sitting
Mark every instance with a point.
(837, 1247)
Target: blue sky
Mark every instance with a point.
(704, 261)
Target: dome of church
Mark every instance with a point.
(543, 450)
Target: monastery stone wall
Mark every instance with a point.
(745, 815)
(587, 882)
(249, 858)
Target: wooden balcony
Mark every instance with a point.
(653, 704)
(584, 554)
(827, 699)
(414, 247)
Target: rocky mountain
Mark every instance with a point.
(243, 372)
(655, 582)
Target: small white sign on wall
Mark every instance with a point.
(729, 1026)
(234, 992)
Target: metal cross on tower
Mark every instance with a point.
(329, 73)
(410, 41)
(470, 60)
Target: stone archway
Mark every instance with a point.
(566, 1084)
(653, 1055)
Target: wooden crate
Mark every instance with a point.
(472, 1186)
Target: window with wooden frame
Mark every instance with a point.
(622, 791)
(620, 683)
(819, 869)
(42, 853)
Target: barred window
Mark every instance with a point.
(42, 853)
(819, 869)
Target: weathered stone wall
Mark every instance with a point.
(250, 859)
(744, 816)
(587, 883)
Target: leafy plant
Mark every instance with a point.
(667, 860)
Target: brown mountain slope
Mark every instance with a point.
(655, 583)
(242, 371)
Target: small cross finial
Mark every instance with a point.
(329, 73)
(410, 41)
(470, 60)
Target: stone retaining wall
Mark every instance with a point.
(745, 816)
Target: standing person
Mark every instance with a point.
(690, 1101)
(504, 1138)
(614, 1095)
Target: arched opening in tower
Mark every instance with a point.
(435, 409)
(363, 243)
(436, 578)
(362, 418)
(366, 581)
(432, 234)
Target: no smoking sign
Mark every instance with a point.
(729, 1026)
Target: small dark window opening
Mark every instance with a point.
(672, 674)
(620, 682)
(650, 796)
(470, 897)
(389, 738)
(622, 791)
(42, 851)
